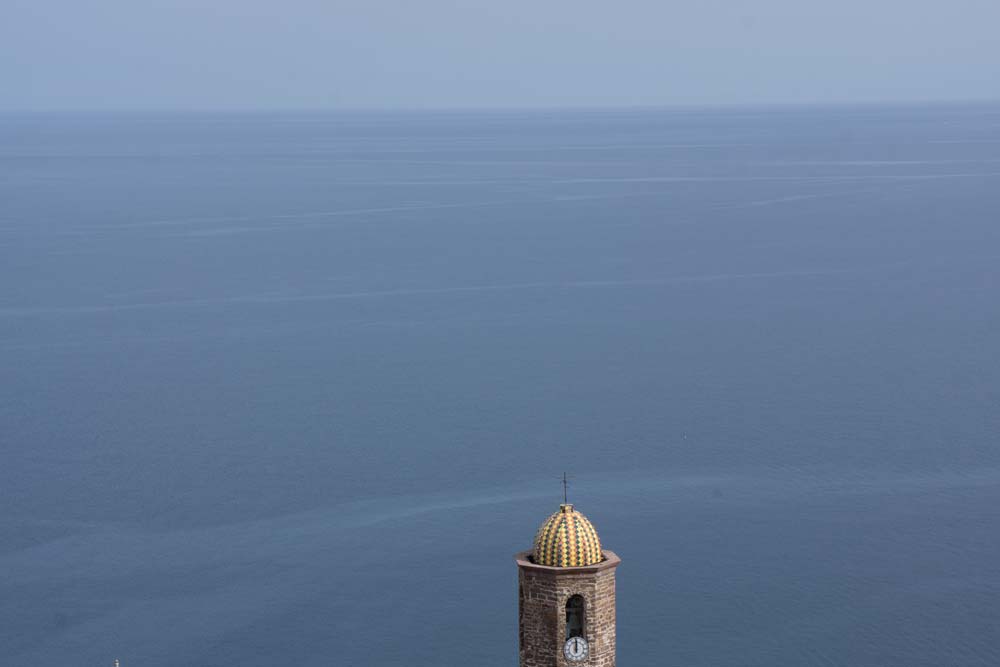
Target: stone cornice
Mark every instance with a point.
(611, 561)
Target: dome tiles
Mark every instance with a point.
(567, 539)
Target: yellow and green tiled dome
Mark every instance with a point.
(567, 539)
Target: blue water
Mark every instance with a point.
(293, 389)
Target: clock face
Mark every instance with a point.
(575, 649)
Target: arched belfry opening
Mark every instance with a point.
(576, 617)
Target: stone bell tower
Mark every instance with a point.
(566, 595)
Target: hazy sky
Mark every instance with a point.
(57, 54)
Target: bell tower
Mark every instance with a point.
(566, 595)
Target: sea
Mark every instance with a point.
(294, 388)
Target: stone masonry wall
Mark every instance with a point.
(542, 596)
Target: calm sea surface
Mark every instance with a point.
(292, 389)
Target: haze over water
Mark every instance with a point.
(293, 388)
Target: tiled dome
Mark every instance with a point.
(567, 539)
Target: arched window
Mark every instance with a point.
(575, 617)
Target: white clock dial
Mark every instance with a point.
(575, 649)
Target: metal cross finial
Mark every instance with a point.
(565, 484)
